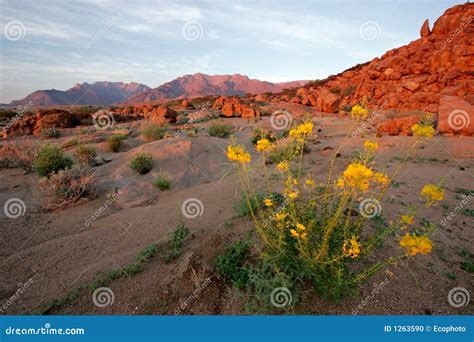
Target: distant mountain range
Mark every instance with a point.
(198, 85)
(188, 86)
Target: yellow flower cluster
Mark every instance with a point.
(371, 145)
(263, 145)
(416, 244)
(238, 154)
(301, 131)
(300, 231)
(432, 193)
(407, 219)
(423, 130)
(283, 166)
(351, 248)
(359, 112)
(357, 176)
(268, 202)
(309, 183)
(292, 194)
(279, 216)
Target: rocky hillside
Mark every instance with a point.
(198, 85)
(98, 93)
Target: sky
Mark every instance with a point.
(54, 44)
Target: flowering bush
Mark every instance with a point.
(317, 232)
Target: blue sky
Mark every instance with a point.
(48, 44)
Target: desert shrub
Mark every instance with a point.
(177, 241)
(162, 182)
(348, 91)
(151, 131)
(50, 133)
(49, 159)
(85, 155)
(318, 234)
(219, 130)
(114, 142)
(281, 152)
(245, 206)
(335, 90)
(230, 264)
(259, 133)
(142, 163)
(68, 186)
(18, 154)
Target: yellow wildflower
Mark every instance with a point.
(238, 154)
(283, 166)
(263, 145)
(371, 145)
(299, 226)
(357, 176)
(280, 216)
(432, 193)
(309, 183)
(423, 130)
(299, 231)
(351, 248)
(381, 178)
(268, 202)
(407, 219)
(305, 128)
(416, 244)
(359, 112)
(294, 233)
(294, 134)
(292, 195)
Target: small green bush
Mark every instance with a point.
(142, 163)
(242, 207)
(219, 130)
(50, 133)
(177, 241)
(151, 131)
(49, 159)
(114, 142)
(162, 182)
(262, 134)
(85, 155)
(229, 264)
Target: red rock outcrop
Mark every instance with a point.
(232, 106)
(455, 116)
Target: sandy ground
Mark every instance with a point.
(59, 252)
